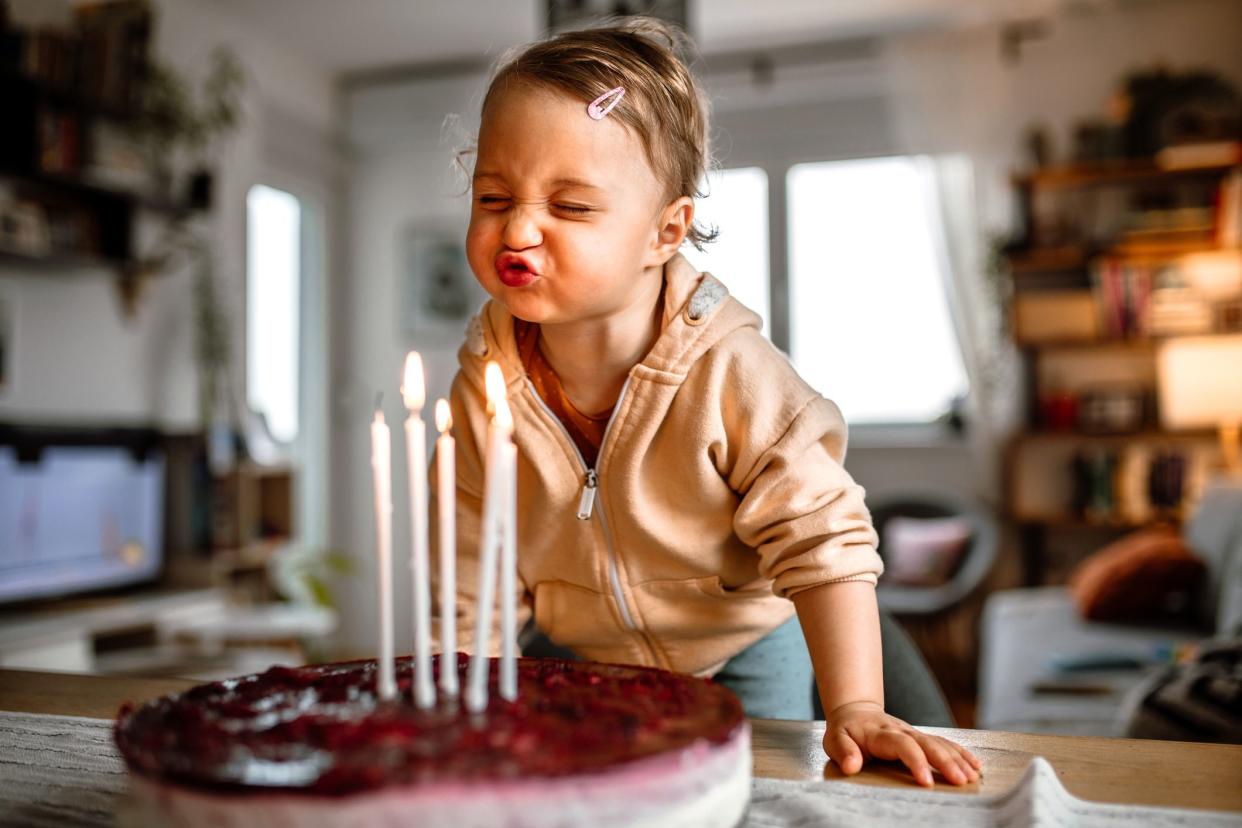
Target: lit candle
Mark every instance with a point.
(446, 480)
(414, 392)
(489, 540)
(508, 557)
(381, 472)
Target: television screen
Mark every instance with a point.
(76, 516)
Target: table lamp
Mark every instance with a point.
(1199, 383)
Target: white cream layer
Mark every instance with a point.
(701, 785)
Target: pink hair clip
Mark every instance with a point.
(596, 111)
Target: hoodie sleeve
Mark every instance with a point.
(801, 509)
(469, 415)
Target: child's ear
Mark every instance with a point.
(672, 226)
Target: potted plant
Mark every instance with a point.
(181, 129)
(180, 126)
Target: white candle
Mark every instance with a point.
(489, 540)
(508, 562)
(446, 481)
(381, 472)
(414, 393)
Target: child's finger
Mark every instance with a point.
(963, 759)
(944, 759)
(896, 745)
(973, 765)
(966, 774)
(843, 750)
(967, 771)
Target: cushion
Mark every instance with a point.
(924, 551)
(1145, 575)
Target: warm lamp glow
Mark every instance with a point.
(413, 388)
(1199, 380)
(444, 416)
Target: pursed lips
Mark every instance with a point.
(514, 270)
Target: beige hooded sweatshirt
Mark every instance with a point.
(718, 493)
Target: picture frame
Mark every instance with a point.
(437, 290)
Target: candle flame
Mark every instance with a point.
(494, 383)
(413, 389)
(444, 417)
(504, 417)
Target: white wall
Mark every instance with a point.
(77, 357)
(946, 92)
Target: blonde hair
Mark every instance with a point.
(662, 105)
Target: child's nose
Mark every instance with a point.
(522, 229)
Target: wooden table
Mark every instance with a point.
(1133, 771)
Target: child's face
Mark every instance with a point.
(567, 215)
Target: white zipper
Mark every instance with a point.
(586, 501)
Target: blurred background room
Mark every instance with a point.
(223, 223)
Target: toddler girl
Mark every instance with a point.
(680, 488)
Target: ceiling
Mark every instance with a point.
(358, 36)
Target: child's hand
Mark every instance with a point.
(861, 730)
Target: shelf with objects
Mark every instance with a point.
(1119, 262)
(95, 146)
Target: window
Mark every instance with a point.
(869, 318)
(273, 287)
(737, 206)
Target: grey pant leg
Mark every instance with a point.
(773, 675)
(774, 678)
(911, 692)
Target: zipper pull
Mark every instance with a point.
(586, 504)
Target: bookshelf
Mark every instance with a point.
(75, 177)
(1110, 261)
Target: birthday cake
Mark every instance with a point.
(583, 744)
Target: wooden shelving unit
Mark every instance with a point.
(64, 94)
(1059, 314)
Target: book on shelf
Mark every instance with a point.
(103, 58)
(59, 144)
(1177, 298)
(116, 160)
(115, 38)
(1199, 155)
(1229, 211)
(49, 55)
(1122, 293)
(1045, 316)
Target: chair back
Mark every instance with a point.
(976, 563)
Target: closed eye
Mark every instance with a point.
(493, 201)
(573, 209)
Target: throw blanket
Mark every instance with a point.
(62, 770)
